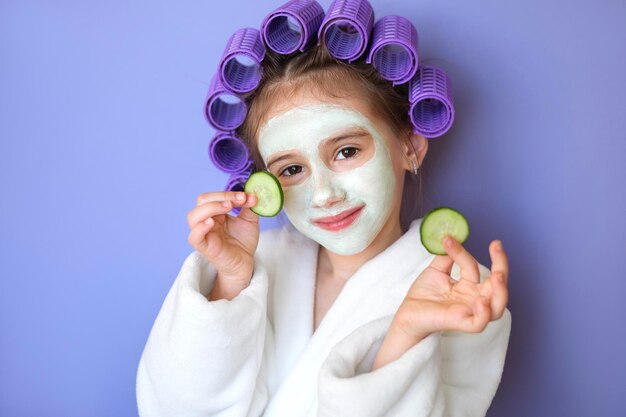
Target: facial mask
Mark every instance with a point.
(371, 184)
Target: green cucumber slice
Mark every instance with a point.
(268, 191)
(438, 223)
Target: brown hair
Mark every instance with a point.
(284, 75)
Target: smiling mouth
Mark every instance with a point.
(340, 221)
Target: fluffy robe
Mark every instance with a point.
(257, 354)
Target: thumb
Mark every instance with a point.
(248, 215)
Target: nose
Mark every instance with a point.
(325, 192)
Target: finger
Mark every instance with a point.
(247, 214)
(467, 263)
(207, 210)
(442, 263)
(198, 235)
(478, 319)
(251, 200)
(209, 240)
(500, 295)
(499, 260)
(482, 314)
(234, 196)
(470, 318)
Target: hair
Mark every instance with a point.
(320, 73)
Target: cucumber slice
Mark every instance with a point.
(268, 191)
(440, 222)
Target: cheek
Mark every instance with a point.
(297, 198)
(374, 181)
(395, 170)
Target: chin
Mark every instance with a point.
(344, 251)
(332, 241)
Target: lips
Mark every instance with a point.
(339, 221)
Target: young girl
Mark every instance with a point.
(341, 312)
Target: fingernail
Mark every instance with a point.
(499, 246)
(240, 196)
(226, 203)
(447, 242)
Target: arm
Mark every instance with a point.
(203, 357)
(224, 290)
(395, 343)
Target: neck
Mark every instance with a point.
(342, 267)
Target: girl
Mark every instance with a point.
(341, 312)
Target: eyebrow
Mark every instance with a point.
(347, 135)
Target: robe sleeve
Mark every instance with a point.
(451, 374)
(203, 358)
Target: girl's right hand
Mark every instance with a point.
(228, 242)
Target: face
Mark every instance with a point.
(332, 160)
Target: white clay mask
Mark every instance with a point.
(322, 191)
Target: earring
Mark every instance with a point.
(413, 160)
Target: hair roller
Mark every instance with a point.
(432, 106)
(346, 28)
(228, 152)
(240, 65)
(293, 26)
(223, 109)
(393, 51)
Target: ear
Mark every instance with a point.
(415, 147)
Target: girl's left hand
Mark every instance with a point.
(437, 302)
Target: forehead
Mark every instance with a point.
(313, 120)
(306, 126)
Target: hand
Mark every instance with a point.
(228, 242)
(437, 302)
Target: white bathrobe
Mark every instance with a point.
(257, 354)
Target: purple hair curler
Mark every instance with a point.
(236, 181)
(346, 28)
(240, 65)
(228, 152)
(223, 109)
(432, 106)
(393, 51)
(292, 26)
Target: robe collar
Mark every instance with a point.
(393, 264)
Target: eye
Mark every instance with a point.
(292, 170)
(348, 152)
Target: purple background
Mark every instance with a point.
(103, 152)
